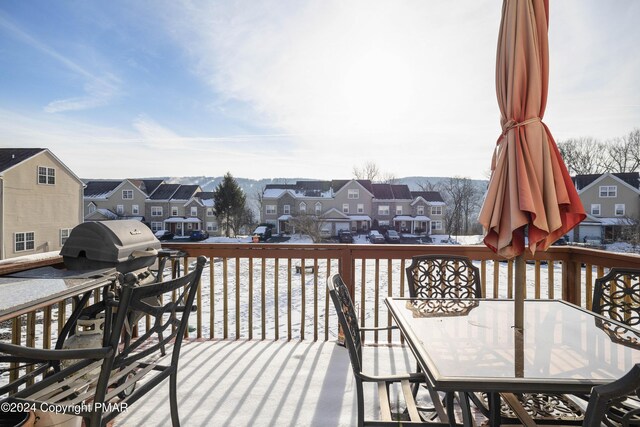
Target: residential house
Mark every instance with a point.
(169, 207)
(40, 201)
(428, 209)
(201, 205)
(117, 199)
(357, 205)
(611, 200)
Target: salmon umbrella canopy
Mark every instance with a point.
(530, 187)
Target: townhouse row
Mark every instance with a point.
(355, 205)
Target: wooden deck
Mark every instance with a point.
(266, 383)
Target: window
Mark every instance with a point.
(194, 211)
(345, 208)
(420, 210)
(318, 208)
(24, 241)
(436, 225)
(155, 226)
(270, 209)
(398, 210)
(212, 226)
(156, 211)
(64, 235)
(92, 208)
(436, 210)
(595, 209)
(619, 209)
(383, 223)
(286, 209)
(135, 209)
(360, 208)
(210, 212)
(174, 211)
(383, 210)
(608, 191)
(303, 207)
(127, 194)
(353, 194)
(46, 175)
(120, 209)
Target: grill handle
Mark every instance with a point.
(142, 254)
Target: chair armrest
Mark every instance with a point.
(413, 377)
(47, 355)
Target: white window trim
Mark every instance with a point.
(127, 192)
(286, 209)
(194, 211)
(436, 225)
(420, 210)
(436, 210)
(353, 193)
(174, 211)
(156, 225)
(270, 209)
(383, 210)
(64, 235)
(210, 212)
(120, 209)
(610, 191)
(135, 209)
(318, 208)
(156, 210)
(345, 208)
(596, 206)
(615, 209)
(24, 241)
(303, 207)
(49, 173)
(398, 210)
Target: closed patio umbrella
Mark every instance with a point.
(530, 188)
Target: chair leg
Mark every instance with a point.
(173, 398)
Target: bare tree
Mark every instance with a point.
(624, 153)
(427, 185)
(258, 196)
(388, 178)
(463, 200)
(368, 171)
(585, 156)
(311, 225)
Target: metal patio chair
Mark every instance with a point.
(601, 400)
(352, 336)
(616, 296)
(99, 383)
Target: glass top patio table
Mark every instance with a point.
(470, 345)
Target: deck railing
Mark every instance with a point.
(278, 291)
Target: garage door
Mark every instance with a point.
(342, 226)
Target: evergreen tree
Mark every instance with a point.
(229, 203)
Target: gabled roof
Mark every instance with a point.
(630, 177)
(147, 186)
(428, 196)
(164, 191)
(582, 181)
(337, 184)
(100, 189)
(391, 191)
(185, 192)
(10, 157)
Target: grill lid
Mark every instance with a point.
(113, 242)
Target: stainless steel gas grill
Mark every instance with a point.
(129, 246)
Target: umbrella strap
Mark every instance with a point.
(511, 124)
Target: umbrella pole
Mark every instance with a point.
(520, 285)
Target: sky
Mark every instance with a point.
(295, 88)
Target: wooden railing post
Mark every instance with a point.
(345, 268)
(571, 287)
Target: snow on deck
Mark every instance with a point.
(267, 383)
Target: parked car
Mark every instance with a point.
(164, 235)
(425, 239)
(375, 237)
(345, 236)
(392, 236)
(263, 232)
(197, 235)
